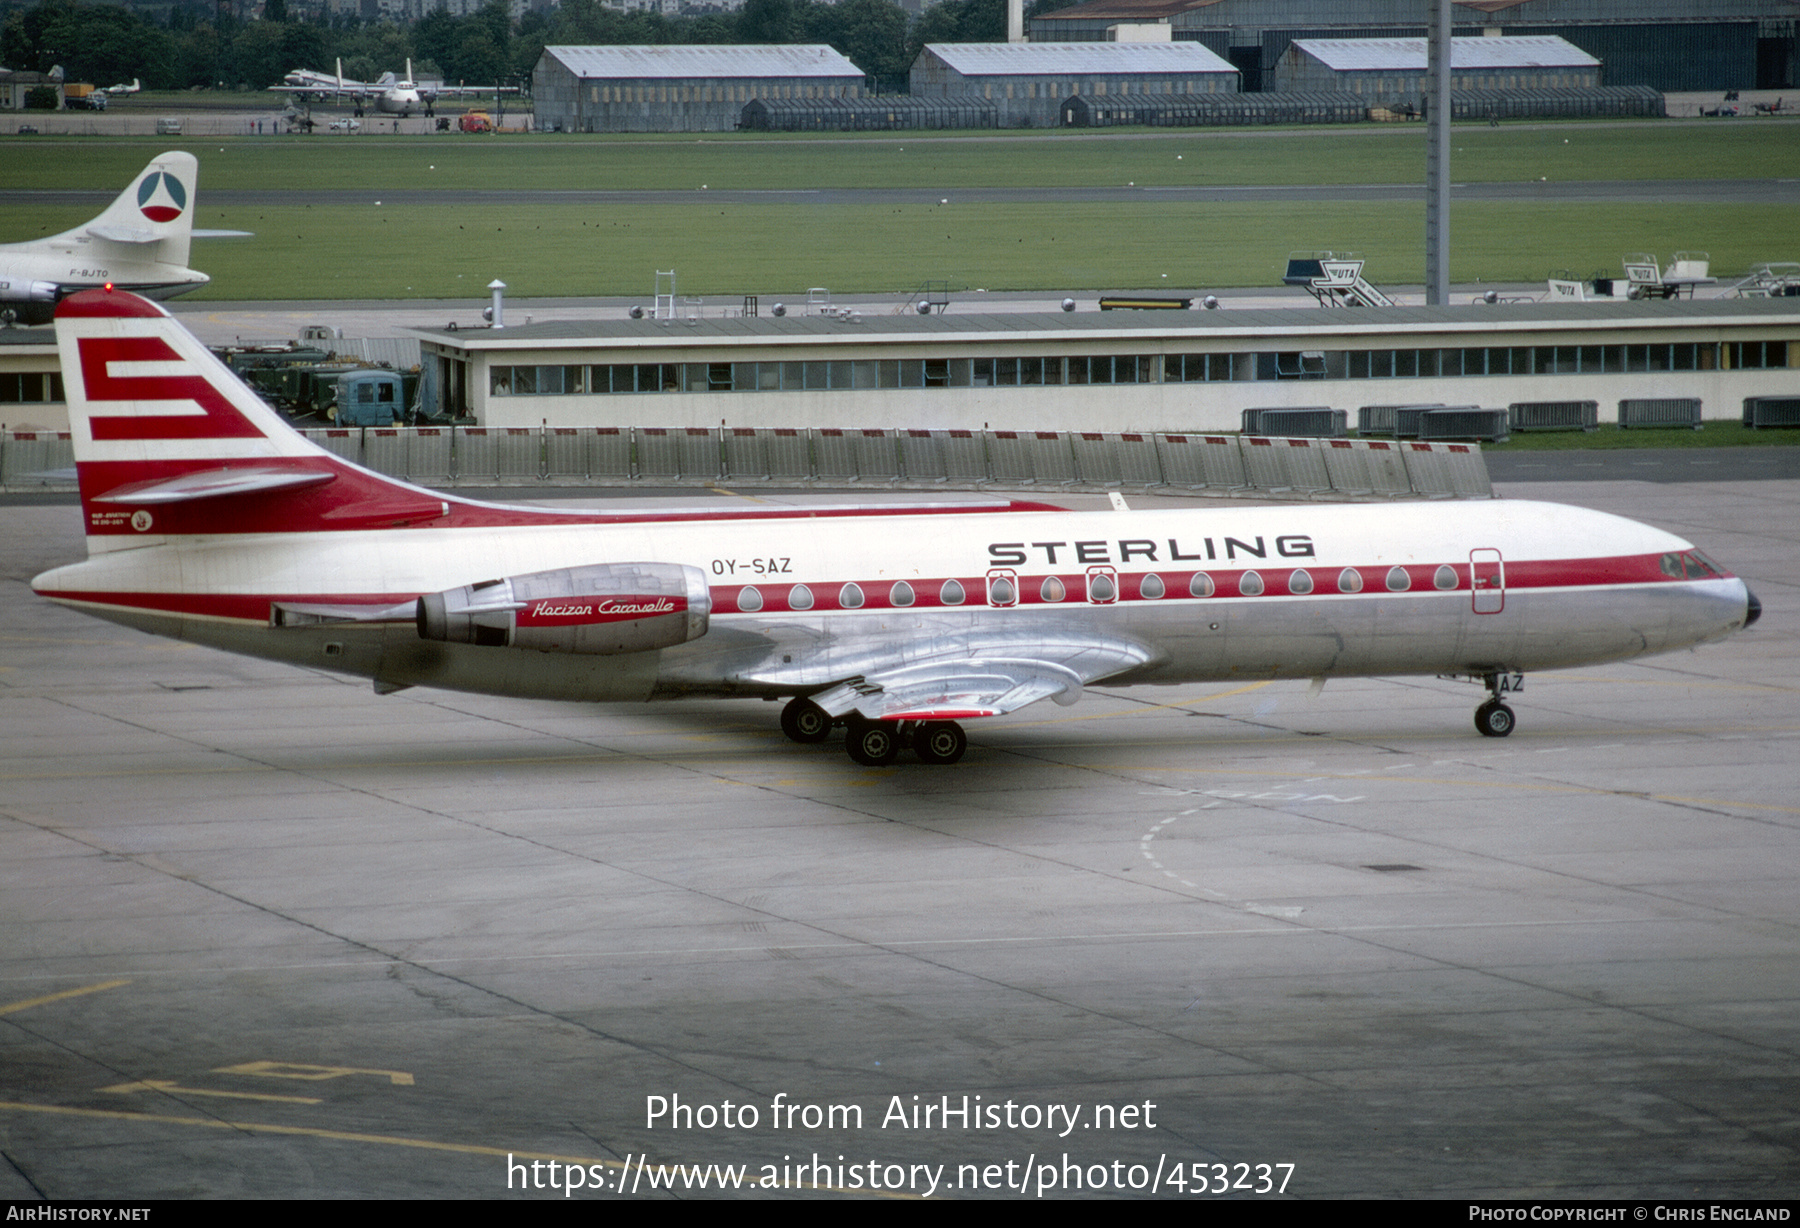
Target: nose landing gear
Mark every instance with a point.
(1494, 719)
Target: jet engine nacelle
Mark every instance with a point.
(27, 291)
(600, 610)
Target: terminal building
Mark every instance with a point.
(1109, 371)
(679, 89)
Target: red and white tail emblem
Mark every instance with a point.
(142, 388)
(165, 434)
(168, 398)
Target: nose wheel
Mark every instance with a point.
(1494, 719)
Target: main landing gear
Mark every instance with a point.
(877, 743)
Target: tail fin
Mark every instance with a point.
(153, 219)
(169, 442)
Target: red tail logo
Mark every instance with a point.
(216, 417)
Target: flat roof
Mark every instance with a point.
(1125, 10)
(1039, 59)
(1120, 326)
(26, 339)
(1469, 54)
(680, 62)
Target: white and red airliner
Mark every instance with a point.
(141, 242)
(208, 519)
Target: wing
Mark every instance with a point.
(1001, 677)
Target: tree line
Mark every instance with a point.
(199, 47)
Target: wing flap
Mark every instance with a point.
(967, 687)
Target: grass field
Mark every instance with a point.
(370, 252)
(451, 250)
(1365, 154)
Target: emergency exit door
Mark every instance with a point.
(1487, 576)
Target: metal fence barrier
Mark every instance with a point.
(1771, 411)
(37, 460)
(1660, 412)
(1316, 422)
(1464, 422)
(1554, 415)
(959, 459)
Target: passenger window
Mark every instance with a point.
(901, 594)
(1151, 588)
(749, 600)
(800, 598)
(851, 596)
(1201, 585)
(952, 593)
(1051, 589)
(1250, 584)
(1300, 582)
(1444, 577)
(1397, 580)
(1349, 580)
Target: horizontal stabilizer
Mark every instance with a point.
(214, 483)
(126, 234)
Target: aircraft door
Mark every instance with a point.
(1487, 581)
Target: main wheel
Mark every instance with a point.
(872, 743)
(804, 721)
(1494, 719)
(939, 742)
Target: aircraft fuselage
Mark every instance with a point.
(1302, 591)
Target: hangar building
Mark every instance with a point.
(1664, 44)
(678, 89)
(1378, 68)
(1028, 81)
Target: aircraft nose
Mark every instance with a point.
(1752, 607)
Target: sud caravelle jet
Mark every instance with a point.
(140, 243)
(388, 95)
(208, 519)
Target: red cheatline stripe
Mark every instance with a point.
(1539, 574)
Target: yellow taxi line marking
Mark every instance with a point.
(28, 1003)
(173, 1088)
(311, 1073)
(351, 1136)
